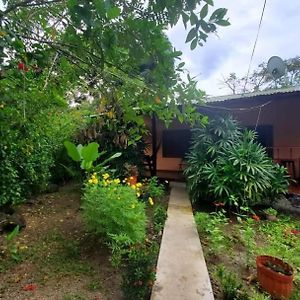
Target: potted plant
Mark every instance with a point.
(275, 276)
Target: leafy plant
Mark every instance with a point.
(11, 247)
(87, 155)
(152, 188)
(247, 237)
(139, 271)
(113, 210)
(159, 217)
(212, 226)
(231, 285)
(225, 163)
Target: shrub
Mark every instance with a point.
(139, 271)
(152, 188)
(225, 163)
(230, 284)
(111, 209)
(159, 217)
(211, 226)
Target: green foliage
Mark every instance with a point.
(211, 225)
(114, 210)
(247, 237)
(152, 188)
(33, 126)
(139, 271)
(87, 155)
(11, 246)
(225, 163)
(231, 285)
(159, 217)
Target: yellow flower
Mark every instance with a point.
(139, 185)
(111, 114)
(117, 181)
(150, 201)
(95, 180)
(1, 106)
(90, 181)
(133, 186)
(132, 205)
(105, 176)
(138, 194)
(105, 183)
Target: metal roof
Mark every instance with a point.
(252, 95)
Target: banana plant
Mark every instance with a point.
(87, 155)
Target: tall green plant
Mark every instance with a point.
(87, 155)
(226, 163)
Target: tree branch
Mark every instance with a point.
(28, 3)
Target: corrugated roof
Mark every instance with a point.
(254, 94)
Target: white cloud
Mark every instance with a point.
(231, 52)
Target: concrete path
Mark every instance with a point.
(181, 271)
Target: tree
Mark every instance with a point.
(114, 43)
(113, 52)
(260, 79)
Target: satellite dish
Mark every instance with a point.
(276, 67)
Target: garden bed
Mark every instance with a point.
(55, 257)
(231, 247)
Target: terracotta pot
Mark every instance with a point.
(275, 283)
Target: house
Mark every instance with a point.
(274, 114)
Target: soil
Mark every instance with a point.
(57, 259)
(277, 268)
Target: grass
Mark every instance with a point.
(235, 245)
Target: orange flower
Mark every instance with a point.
(255, 217)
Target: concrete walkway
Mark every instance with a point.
(181, 271)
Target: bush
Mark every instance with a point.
(139, 271)
(29, 151)
(231, 285)
(152, 188)
(111, 209)
(33, 124)
(225, 163)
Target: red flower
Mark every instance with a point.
(295, 231)
(30, 287)
(22, 66)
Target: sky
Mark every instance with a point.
(230, 51)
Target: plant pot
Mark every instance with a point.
(277, 284)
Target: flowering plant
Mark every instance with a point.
(111, 208)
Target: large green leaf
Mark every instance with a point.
(90, 152)
(72, 151)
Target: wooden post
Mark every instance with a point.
(154, 145)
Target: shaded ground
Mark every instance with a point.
(56, 255)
